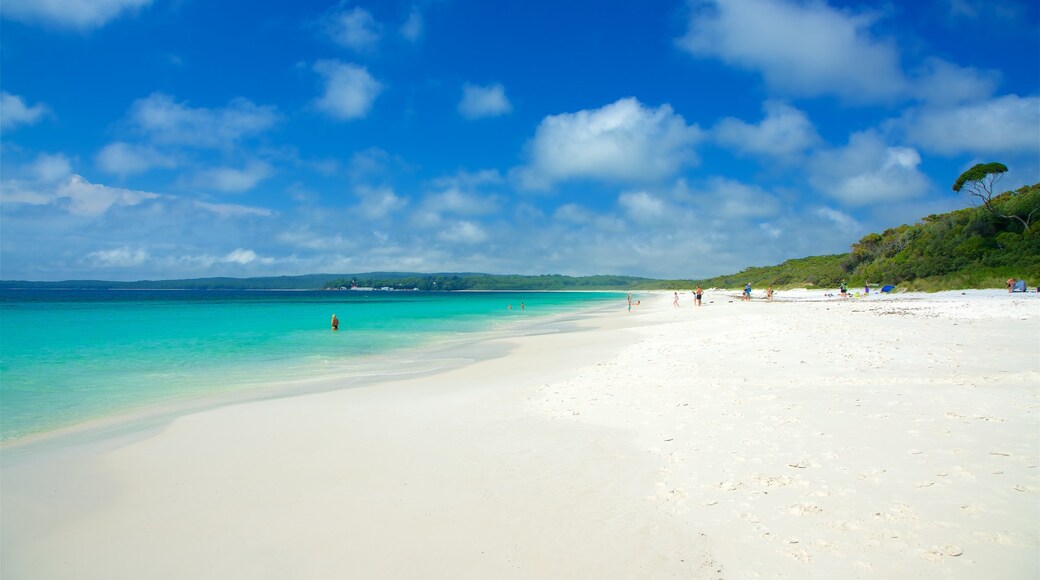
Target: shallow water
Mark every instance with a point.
(70, 356)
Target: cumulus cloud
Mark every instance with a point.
(83, 15)
(868, 171)
(463, 232)
(349, 90)
(354, 28)
(785, 131)
(92, 199)
(1007, 124)
(573, 213)
(943, 83)
(233, 180)
(623, 141)
(643, 207)
(378, 202)
(165, 121)
(412, 29)
(732, 199)
(757, 35)
(73, 193)
(124, 159)
(14, 112)
(453, 200)
(480, 102)
(839, 218)
(48, 168)
(242, 256)
(123, 257)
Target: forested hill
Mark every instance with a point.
(977, 247)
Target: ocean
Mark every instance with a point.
(68, 357)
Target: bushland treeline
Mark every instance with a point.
(450, 282)
(976, 247)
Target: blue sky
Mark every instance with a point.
(149, 139)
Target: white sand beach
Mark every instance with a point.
(891, 436)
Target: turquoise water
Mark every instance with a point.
(70, 356)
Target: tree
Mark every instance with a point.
(979, 181)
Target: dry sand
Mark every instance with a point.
(882, 437)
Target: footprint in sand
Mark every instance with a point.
(802, 509)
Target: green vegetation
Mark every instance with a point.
(979, 181)
(448, 282)
(811, 272)
(977, 247)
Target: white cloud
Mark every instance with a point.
(464, 232)
(90, 199)
(229, 179)
(47, 168)
(14, 111)
(412, 29)
(573, 213)
(456, 201)
(803, 49)
(944, 83)
(480, 102)
(469, 180)
(840, 218)
(229, 210)
(1006, 124)
(623, 141)
(349, 89)
(82, 15)
(868, 171)
(241, 256)
(123, 257)
(785, 131)
(732, 199)
(355, 29)
(166, 121)
(378, 202)
(75, 194)
(124, 159)
(642, 207)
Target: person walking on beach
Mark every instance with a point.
(630, 302)
(675, 301)
(335, 322)
(747, 293)
(769, 294)
(697, 296)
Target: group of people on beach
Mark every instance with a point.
(697, 295)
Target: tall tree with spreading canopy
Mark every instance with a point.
(979, 182)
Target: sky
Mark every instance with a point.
(167, 139)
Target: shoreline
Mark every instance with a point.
(441, 354)
(805, 437)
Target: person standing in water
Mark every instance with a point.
(335, 322)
